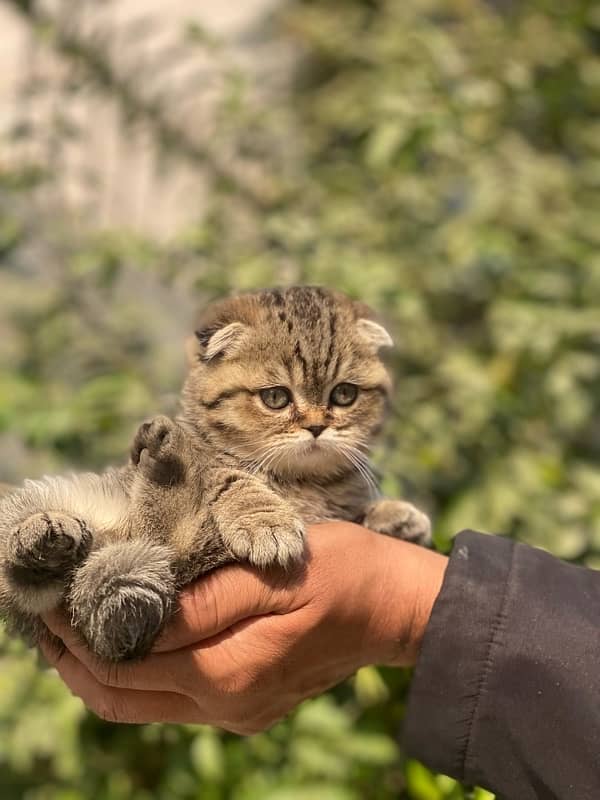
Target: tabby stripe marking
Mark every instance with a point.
(303, 362)
(380, 388)
(223, 427)
(226, 395)
(225, 487)
(331, 347)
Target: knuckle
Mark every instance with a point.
(232, 727)
(204, 603)
(255, 727)
(227, 683)
(251, 726)
(107, 709)
(245, 728)
(261, 716)
(108, 673)
(111, 708)
(103, 672)
(236, 682)
(247, 731)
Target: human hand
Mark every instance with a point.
(247, 646)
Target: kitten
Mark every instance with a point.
(284, 395)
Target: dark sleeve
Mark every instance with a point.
(506, 692)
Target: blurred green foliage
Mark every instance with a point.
(439, 159)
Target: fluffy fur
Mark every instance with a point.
(284, 395)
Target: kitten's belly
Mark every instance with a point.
(100, 500)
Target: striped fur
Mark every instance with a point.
(230, 479)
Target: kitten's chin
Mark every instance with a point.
(312, 460)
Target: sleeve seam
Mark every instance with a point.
(496, 628)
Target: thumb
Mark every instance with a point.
(222, 598)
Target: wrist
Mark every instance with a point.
(410, 579)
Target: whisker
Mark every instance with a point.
(361, 463)
(271, 456)
(267, 459)
(282, 453)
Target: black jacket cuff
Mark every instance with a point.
(506, 693)
(457, 653)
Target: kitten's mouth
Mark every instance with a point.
(310, 457)
(303, 448)
(313, 445)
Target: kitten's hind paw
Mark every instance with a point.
(46, 547)
(158, 450)
(399, 519)
(121, 598)
(266, 538)
(127, 622)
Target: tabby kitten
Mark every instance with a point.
(284, 395)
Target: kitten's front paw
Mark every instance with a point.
(399, 519)
(266, 537)
(46, 547)
(158, 450)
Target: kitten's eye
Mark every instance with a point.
(344, 394)
(276, 397)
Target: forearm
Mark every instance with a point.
(507, 687)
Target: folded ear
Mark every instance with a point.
(374, 333)
(210, 343)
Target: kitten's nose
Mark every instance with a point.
(316, 430)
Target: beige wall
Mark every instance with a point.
(108, 171)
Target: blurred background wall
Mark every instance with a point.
(103, 169)
(439, 159)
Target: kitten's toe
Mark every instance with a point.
(266, 542)
(399, 519)
(157, 450)
(46, 546)
(159, 436)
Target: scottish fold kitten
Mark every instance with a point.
(285, 393)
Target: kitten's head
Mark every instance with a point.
(289, 380)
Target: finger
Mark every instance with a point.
(185, 671)
(58, 623)
(223, 598)
(139, 707)
(120, 705)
